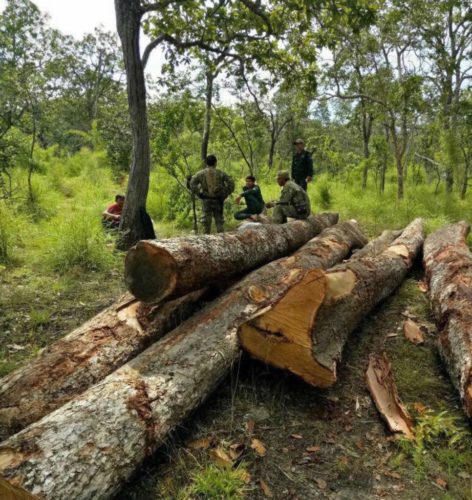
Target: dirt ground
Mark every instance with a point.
(324, 443)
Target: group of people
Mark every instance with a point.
(212, 186)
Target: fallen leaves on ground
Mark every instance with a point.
(266, 489)
(313, 449)
(236, 450)
(296, 436)
(200, 444)
(423, 286)
(250, 424)
(258, 447)
(322, 484)
(442, 483)
(220, 457)
(413, 332)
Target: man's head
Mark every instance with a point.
(120, 200)
(283, 177)
(299, 145)
(211, 160)
(250, 181)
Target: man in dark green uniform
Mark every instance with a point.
(302, 165)
(253, 197)
(293, 202)
(212, 186)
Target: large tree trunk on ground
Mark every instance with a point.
(128, 22)
(448, 264)
(306, 331)
(87, 355)
(377, 246)
(155, 270)
(89, 447)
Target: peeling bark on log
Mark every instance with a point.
(306, 331)
(448, 265)
(384, 392)
(89, 447)
(87, 355)
(155, 270)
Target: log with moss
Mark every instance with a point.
(90, 446)
(305, 332)
(448, 265)
(79, 360)
(156, 270)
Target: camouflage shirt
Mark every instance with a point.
(293, 195)
(211, 184)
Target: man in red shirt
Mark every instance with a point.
(112, 215)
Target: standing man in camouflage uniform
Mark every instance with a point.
(294, 201)
(302, 165)
(212, 186)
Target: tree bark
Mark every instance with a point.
(448, 265)
(74, 363)
(155, 270)
(207, 121)
(377, 246)
(306, 331)
(89, 447)
(128, 20)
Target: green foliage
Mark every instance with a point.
(432, 431)
(78, 241)
(217, 483)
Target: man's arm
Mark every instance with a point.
(109, 216)
(230, 183)
(194, 183)
(309, 167)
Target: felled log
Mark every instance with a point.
(378, 245)
(448, 265)
(155, 270)
(87, 355)
(90, 446)
(306, 331)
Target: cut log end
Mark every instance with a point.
(281, 335)
(150, 272)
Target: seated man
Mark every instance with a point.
(112, 215)
(253, 197)
(294, 201)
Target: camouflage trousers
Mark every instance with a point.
(281, 212)
(212, 209)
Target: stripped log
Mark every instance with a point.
(448, 265)
(306, 331)
(155, 270)
(89, 447)
(378, 245)
(87, 355)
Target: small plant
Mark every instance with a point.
(432, 431)
(217, 483)
(39, 318)
(325, 198)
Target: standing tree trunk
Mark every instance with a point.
(306, 331)
(156, 270)
(128, 19)
(448, 265)
(93, 444)
(207, 121)
(79, 360)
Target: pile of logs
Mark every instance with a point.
(79, 420)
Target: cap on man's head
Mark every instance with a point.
(298, 141)
(283, 174)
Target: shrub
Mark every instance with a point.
(79, 241)
(218, 483)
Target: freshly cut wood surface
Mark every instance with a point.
(87, 355)
(90, 446)
(155, 270)
(307, 329)
(448, 265)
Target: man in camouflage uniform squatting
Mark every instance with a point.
(293, 202)
(212, 186)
